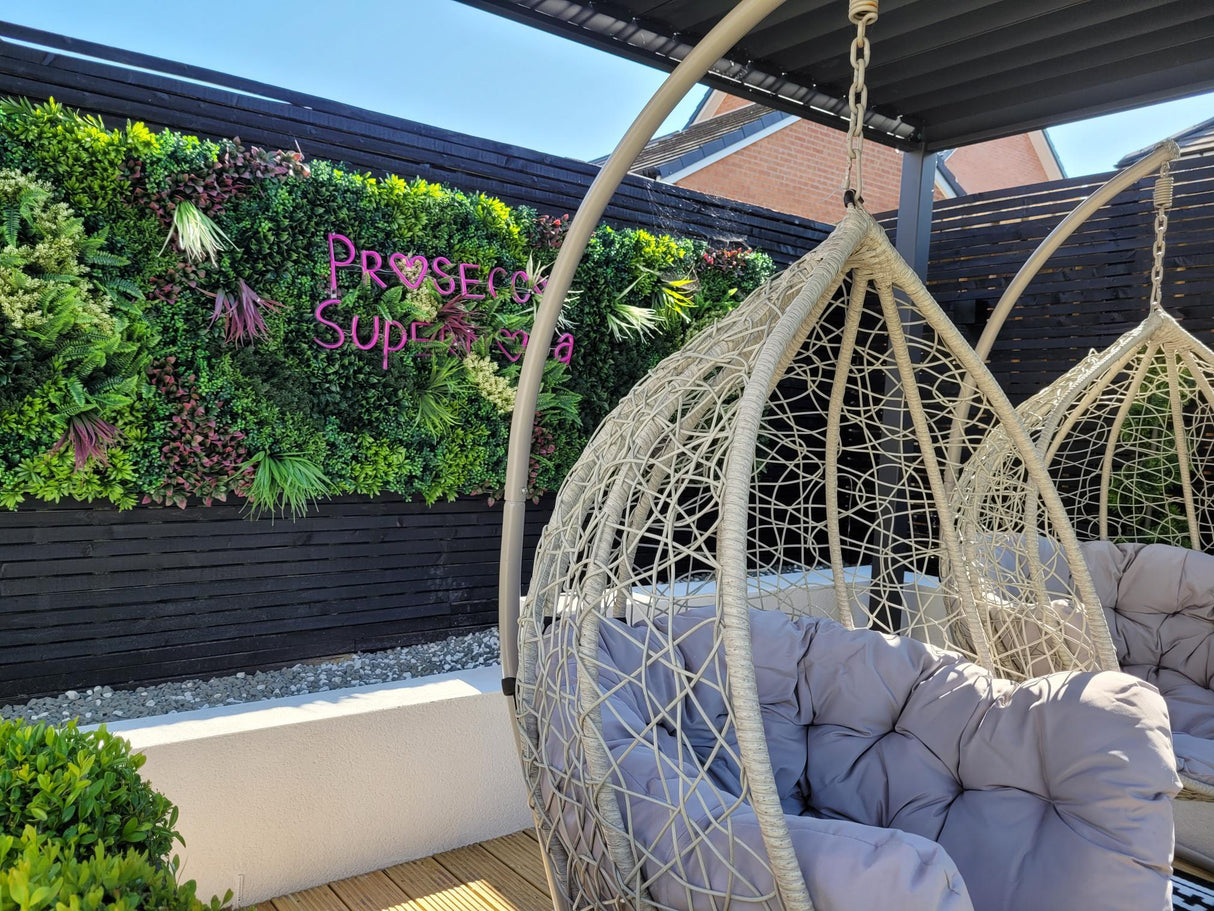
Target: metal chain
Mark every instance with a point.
(1163, 202)
(862, 13)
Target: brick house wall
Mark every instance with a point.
(799, 168)
(1013, 161)
(719, 103)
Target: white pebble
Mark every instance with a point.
(407, 663)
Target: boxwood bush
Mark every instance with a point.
(159, 340)
(80, 789)
(37, 873)
(80, 829)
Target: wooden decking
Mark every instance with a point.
(505, 874)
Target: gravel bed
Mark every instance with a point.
(102, 703)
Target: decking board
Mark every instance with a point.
(370, 892)
(521, 853)
(504, 888)
(431, 887)
(321, 898)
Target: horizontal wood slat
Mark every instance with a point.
(92, 595)
(89, 595)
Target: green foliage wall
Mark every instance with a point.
(158, 341)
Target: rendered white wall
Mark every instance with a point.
(282, 795)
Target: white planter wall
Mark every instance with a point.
(286, 794)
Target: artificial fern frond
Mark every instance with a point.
(98, 258)
(12, 224)
(75, 391)
(117, 288)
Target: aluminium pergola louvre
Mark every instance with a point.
(947, 74)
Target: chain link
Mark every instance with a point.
(1163, 202)
(863, 13)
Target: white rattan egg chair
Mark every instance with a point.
(701, 719)
(1127, 436)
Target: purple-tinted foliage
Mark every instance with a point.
(243, 317)
(201, 457)
(543, 445)
(455, 324)
(730, 260)
(90, 437)
(211, 189)
(549, 232)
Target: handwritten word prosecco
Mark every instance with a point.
(446, 277)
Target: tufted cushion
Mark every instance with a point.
(906, 774)
(1159, 603)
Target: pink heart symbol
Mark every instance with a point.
(420, 263)
(512, 336)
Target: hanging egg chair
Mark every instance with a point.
(1127, 436)
(725, 675)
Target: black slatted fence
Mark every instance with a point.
(92, 595)
(368, 141)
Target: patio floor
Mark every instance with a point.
(506, 874)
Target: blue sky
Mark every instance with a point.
(447, 64)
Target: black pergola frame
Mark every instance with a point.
(1001, 67)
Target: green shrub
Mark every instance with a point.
(81, 790)
(37, 873)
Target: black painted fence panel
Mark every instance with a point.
(90, 595)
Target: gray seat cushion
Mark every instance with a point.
(1159, 603)
(909, 778)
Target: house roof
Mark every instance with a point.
(949, 178)
(675, 151)
(666, 156)
(1193, 141)
(943, 74)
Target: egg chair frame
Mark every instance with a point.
(684, 449)
(1127, 434)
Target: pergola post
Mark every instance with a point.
(914, 235)
(913, 241)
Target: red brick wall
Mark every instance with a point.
(719, 103)
(799, 169)
(998, 164)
